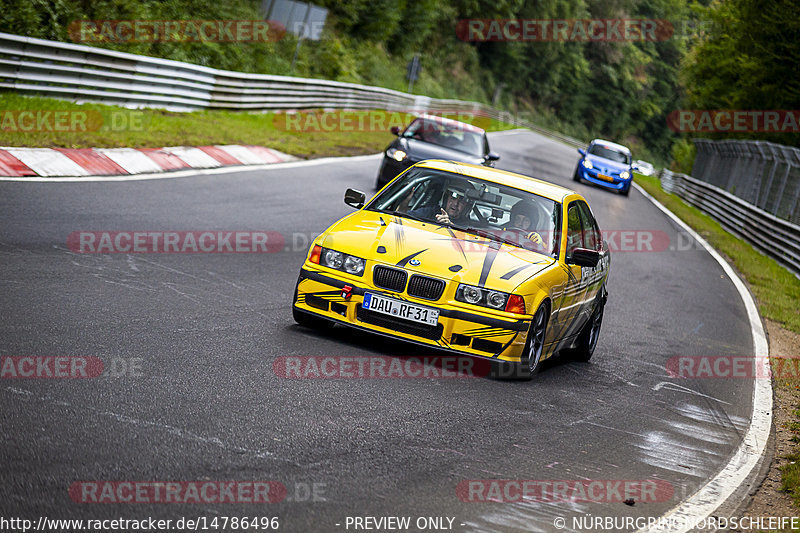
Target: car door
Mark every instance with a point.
(592, 277)
(570, 301)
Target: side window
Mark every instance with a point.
(574, 229)
(591, 237)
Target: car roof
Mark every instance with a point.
(452, 123)
(614, 145)
(549, 190)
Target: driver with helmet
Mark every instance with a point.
(455, 207)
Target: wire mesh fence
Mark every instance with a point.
(764, 174)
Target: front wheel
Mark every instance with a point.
(626, 191)
(576, 176)
(587, 340)
(531, 359)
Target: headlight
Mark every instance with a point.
(625, 174)
(354, 265)
(333, 259)
(472, 295)
(344, 262)
(587, 163)
(489, 298)
(496, 299)
(397, 155)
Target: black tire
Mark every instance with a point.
(378, 184)
(576, 176)
(531, 361)
(587, 339)
(626, 191)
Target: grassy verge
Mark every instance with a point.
(308, 135)
(776, 290)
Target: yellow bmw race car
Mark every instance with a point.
(467, 259)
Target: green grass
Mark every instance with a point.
(348, 133)
(790, 482)
(777, 291)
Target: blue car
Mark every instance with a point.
(606, 164)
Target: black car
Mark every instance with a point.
(434, 137)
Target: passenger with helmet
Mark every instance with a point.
(525, 219)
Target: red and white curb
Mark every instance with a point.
(68, 162)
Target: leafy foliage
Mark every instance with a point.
(740, 54)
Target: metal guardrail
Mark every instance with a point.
(761, 173)
(89, 74)
(766, 232)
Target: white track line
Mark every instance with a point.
(199, 171)
(716, 491)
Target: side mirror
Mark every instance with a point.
(584, 257)
(354, 198)
(492, 156)
(395, 130)
(634, 167)
(581, 151)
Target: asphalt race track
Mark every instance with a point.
(193, 338)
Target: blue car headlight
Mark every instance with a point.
(586, 163)
(625, 174)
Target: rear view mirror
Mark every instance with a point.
(581, 151)
(584, 257)
(395, 130)
(354, 198)
(492, 156)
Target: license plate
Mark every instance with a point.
(400, 309)
(605, 178)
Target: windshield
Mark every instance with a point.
(607, 153)
(449, 135)
(483, 208)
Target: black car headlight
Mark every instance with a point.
(339, 261)
(480, 296)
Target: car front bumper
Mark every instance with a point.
(458, 331)
(611, 182)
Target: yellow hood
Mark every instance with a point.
(441, 251)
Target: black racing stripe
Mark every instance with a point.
(399, 233)
(408, 258)
(491, 335)
(511, 273)
(488, 260)
(518, 325)
(506, 345)
(458, 243)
